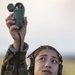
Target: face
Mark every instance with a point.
(46, 63)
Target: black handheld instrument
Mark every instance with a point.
(19, 11)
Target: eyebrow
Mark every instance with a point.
(54, 57)
(47, 55)
(44, 55)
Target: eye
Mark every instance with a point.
(54, 61)
(43, 59)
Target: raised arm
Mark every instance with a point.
(14, 59)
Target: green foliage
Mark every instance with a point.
(1, 60)
(69, 67)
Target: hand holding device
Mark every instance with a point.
(19, 11)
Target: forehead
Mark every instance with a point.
(48, 52)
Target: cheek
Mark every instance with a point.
(56, 69)
(38, 68)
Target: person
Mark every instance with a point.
(45, 60)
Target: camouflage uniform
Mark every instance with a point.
(10, 62)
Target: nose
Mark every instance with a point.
(48, 64)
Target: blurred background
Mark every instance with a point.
(50, 22)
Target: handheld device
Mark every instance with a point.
(19, 11)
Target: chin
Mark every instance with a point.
(46, 73)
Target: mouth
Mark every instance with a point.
(47, 71)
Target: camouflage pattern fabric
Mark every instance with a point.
(9, 66)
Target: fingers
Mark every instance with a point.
(14, 33)
(25, 21)
(9, 20)
(9, 16)
(13, 29)
(10, 23)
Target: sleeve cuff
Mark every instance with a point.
(13, 51)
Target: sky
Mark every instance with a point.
(50, 22)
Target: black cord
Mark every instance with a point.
(18, 63)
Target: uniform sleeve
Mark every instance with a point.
(14, 63)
